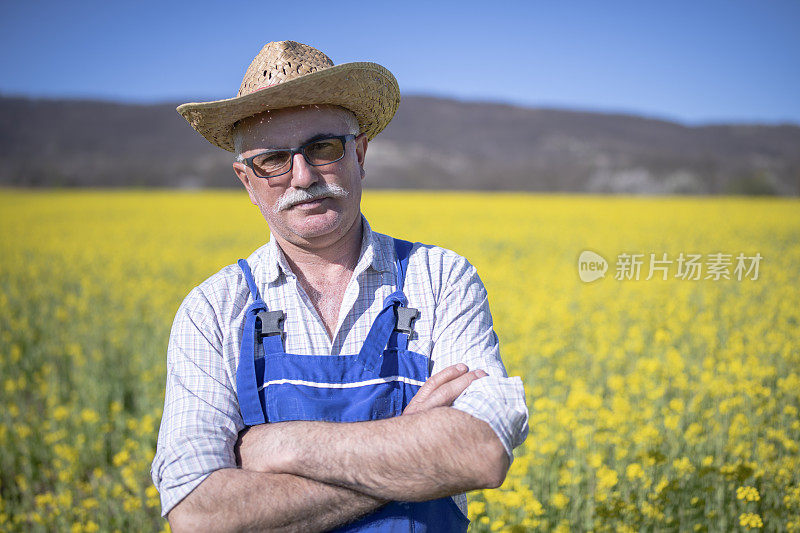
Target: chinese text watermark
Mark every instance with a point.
(684, 266)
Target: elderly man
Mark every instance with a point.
(337, 378)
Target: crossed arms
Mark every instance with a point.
(319, 475)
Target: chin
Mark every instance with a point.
(314, 226)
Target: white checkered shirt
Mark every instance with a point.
(201, 419)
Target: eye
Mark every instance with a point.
(321, 146)
(324, 151)
(271, 160)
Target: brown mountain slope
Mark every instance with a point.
(431, 143)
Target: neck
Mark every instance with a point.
(307, 260)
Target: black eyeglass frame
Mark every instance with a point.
(299, 150)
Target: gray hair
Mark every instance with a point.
(348, 116)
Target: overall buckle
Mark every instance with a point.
(405, 319)
(271, 324)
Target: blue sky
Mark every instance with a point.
(695, 62)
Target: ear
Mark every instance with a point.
(241, 172)
(361, 151)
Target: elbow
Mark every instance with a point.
(495, 461)
(182, 518)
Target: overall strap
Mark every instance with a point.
(246, 384)
(393, 324)
(379, 333)
(405, 315)
(268, 324)
(403, 251)
(248, 277)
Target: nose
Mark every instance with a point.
(303, 174)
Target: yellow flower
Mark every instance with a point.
(750, 521)
(683, 466)
(90, 503)
(121, 458)
(89, 416)
(498, 525)
(749, 494)
(634, 471)
(595, 460)
(60, 412)
(559, 500)
(606, 478)
(23, 430)
(64, 500)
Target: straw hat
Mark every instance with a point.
(286, 74)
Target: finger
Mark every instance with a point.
(438, 379)
(447, 393)
(447, 374)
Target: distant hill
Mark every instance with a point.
(431, 143)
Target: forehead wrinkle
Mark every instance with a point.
(298, 126)
(313, 138)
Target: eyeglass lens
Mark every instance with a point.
(320, 152)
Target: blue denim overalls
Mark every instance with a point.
(378, 382)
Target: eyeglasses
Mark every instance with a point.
(274, 163)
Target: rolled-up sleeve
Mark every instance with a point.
(201, 418)
(464, 333)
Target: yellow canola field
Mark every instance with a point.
(655, 405)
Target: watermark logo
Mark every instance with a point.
(591, 266)
(686, 266)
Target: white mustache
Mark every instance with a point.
(318, 190)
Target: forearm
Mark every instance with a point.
(419, 457)
(233, 499)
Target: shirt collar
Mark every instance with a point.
(372, 254)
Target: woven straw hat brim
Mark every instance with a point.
(369, 90)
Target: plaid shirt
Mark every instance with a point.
(201, 419)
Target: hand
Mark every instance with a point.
(442, 388)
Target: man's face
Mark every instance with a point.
(310, 224)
